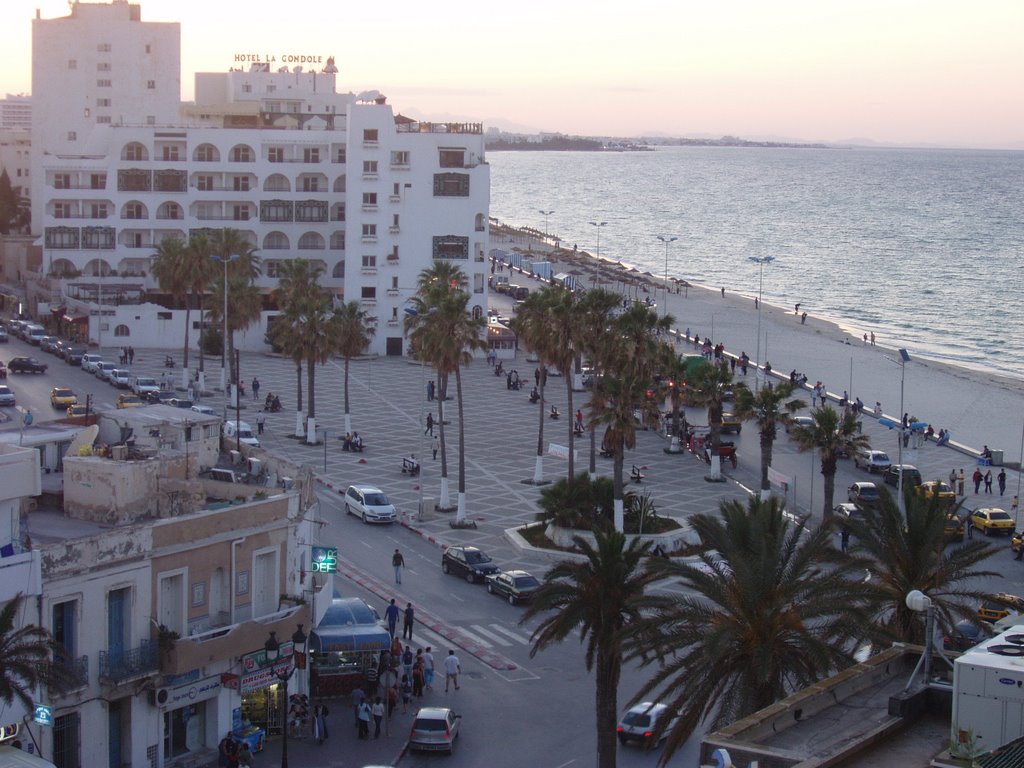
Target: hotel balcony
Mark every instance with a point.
(230, 642)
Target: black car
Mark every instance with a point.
(73, 356)
(964, 636)
(3, 336)
(515, 586)
(25, 365)
(911, 474)
(163, 396)
(470, 562)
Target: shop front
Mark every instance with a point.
(189, 717)
(347, 642)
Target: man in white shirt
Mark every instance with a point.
(452, 668)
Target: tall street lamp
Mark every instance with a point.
(760, 261)
(545, 214)
(224, 352)
(666, 240)
(272, 648)
(598, 224)
(904, 359)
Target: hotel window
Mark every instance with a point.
(338, 242)
(171, 154)
(103, 66)
(370, 166)
(204, 183)
(276, 241)
(102, 102)
(240, 212)
(98, 211)
(134, 180)
(451, 247)
(368, 292)
(275, 210)
(241, 154)
(451, 185)
(370, 198)
(102, 83)
(452, 158)
(400, 158)
(96, 238)
(369, 261)
(339, 155)
(275, 154)
(72, 64)
(247, 88)
(310, 184)
(311, 155)
(207, 153)
(240, 183)
(134, 211)
(62, 181)
(61, 237)
(151, 84)
(369, 230)
(135, 152)
(62, 210)
(311, 241)
(98, 181)
(103, 48)
(311, 210)
(370, 134)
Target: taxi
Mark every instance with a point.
(992, 520)
(937, 488)
(129, 401)
(995, 607)
(62, 397)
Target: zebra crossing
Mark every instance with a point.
(487, 636)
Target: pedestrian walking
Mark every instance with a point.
(428, 668)
(407, 622)
(358, 697)
(1001, 479)
(844, 539)
(435, 446)
(988, 481)
(430, 390)
(407, 661)
(452, 670)
(392, 699)
(131, 355)
(377, 711)
(398, 563)
(227, 751)
(969, 525)
(255, 388)
(364, 720)
(976, 478)
(952, 479)
(418, 676)
(406, 693)
(960, 482)
(430, 425)
(261, 420)
(391, 614)
(1013, 511)
(320, 723)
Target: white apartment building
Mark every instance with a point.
(16, 111)
(302, 171)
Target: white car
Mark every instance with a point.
(872, 461)
(806, 422)
(104, 369)
(639, 722)
(370, 504)
(120, 378)
(144, 385)
(90, 361)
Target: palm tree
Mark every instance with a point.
(202, 270)
(593, 319)
(771, 607)
(673, 371)
(446, 334)
(297, 284)
(356, 330)
(172, 272)
(765, 408)
(533, 325)
(831, 435)
(25, 653)
(709, 383)
(581, 503)
(243, 267)
(599, 599)
(909, 552)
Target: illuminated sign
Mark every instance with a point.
(43, 714)
(325, 560)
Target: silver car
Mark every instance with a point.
(6, 396)
(435, 729)
(370, 504)
(640, 721)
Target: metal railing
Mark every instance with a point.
(67, 674)
(133, 662)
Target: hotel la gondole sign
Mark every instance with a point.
(325, 560)
(278, 58)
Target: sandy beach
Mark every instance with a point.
(978, 407)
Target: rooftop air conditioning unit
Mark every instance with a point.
(236, 457)
(988, 693)
(159, 697)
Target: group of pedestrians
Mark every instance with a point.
(977, 478)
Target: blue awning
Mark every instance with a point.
(349, 625)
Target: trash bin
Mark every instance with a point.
(997, 457)
(426, 508)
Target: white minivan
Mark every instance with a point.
(240, 431)
(90, 362)
(34, 334)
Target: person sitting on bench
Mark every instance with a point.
(554, 413)
(347, 442)
(410, 465)
(534, 395)
(986, 452)
(357, 442)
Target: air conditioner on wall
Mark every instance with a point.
(158, 697)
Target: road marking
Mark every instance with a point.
(509, 633)
(493, 635)
(475, 638)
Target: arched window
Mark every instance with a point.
(122, 330)
(311, 241)
(96, 267)
(339, 183)
(338, 241)
(169, 210)
(481, 222)
(339, 270)
(478, 312)
(133, 209)
(206, 153)
(242, 153)
(275, 241)
(134, 152)
(277, 182)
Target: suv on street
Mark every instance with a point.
(370, 504)
(872, 461)
(911, 475)
(25, 365)
(470, 562)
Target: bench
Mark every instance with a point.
(410, 466)
(636, 475)
(554, 414)
(350, 446)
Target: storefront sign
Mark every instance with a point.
(257, 659)
(186, 694)
(229, 681)
(43, 714)
(325, 560)
(263, 677)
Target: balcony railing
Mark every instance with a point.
(67, 674)
(130, 663)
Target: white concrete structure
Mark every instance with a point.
(302, 171)
(16, 158)
(16, 112)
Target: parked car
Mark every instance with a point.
(144, 385)
(34, 335)
(7, 396)
(162, 396)
(954, 529)
(62, 397)
(639, 722)
(61, 348)
(730, 423)
(472, 563)
(180, 402)
(1002, 604)
(78, 409)
(25, 365)
(120, 378)
(4, 338)
(863, 493)
(847, 511)
(992, 520)
(206, 410)
(239, 431)
(49, 344)
(964, 636)
(911, 475)
(515, 586)
(74, 355)
(435, 729)
(872, 461)
(104, 369)
(89, 362)
(3, 370)
(129, 401)
(370, 504)
(798, 421)
(937, 488)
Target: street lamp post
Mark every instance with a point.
(760, 261)
(545, 214)
(224, 352)
(666, 240)
(904, 359)
(598, 224)
(272, 648)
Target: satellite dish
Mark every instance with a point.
(86, 437)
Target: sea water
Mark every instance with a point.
(925, 248)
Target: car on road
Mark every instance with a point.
(997, 606)
(937, 488)
(104, 370)
(144, 386)
(911, 475)
(791, 422)
(514, 586)
(964, 636)
(848, 511)
(62, 397)
(4, 338)
(25, 365)
(731, 423)
(640, 721)
(435, 729)
(872, 461)
(863, 493)
(129, 401)
(89, 361)
(992, 520)
(206, 410)
(180, 402)
(7, 396)
(120, 378)
(3, 370)
(370, 504)
(163, 396)
(470, 562)
(954, 528)
(49, 344)
(74, 355)
(78, 409)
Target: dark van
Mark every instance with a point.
(518, 292)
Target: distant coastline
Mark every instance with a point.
(522, 143)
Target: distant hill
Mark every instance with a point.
(545, 144)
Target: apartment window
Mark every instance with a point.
(241, 154)
(400, 158)
(103, 66)
(118, 622)
(102, 83)
(207, 153)
(265, 578)
(369, 230)
(338, 212)
(240, 212)
(240, 183)
(98, 181)
(171, 596)
(339, 155)
(310, 184)
(451, 185)
(134, 211)
(394, 283)
(150, 119)
(97, 238)
(98, 211)
(103, 119)
(276, 182)
(103, 48)
(368, 292)
(72, 136)
(311, 210)
(61, 237)
(149, 48)
(62, 181)
(62, 210)
(65, 626)
(338, 244)
(275, 210)
(204, 182)
(370, 166)
(67, 741)
(246, 88)
(276, 241)
(151, 84)
(135, 152)
(450, 247)
(369, 261)
(311, 155)
(370, 198)
(275, 154)
(168, 180)
(207, 211)
(311, 241)
(171, 154)
(394, 220)
(452, 158)
(370, 134)
(72, 64)
(102, 102)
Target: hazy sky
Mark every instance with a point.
(907, 71)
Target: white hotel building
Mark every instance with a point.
(119, 164)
